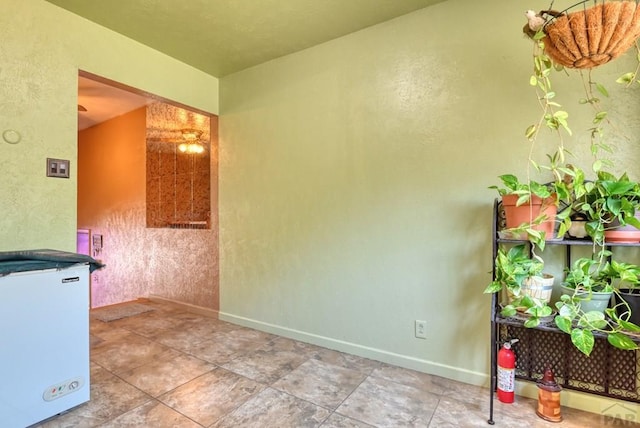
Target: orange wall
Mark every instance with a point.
(172, 263)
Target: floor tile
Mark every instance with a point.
(422, 381)
(461, 391)
(221, 347)
(279, 344)
(269, 381)
(146, 324)
(179, 338)
(320, 383)
(272, 408)
(248, 334)
(153, 414)
(96, 327)
(108, 334)
(127, 352)
(266, 365)
(211, 396)
(166, 373)
(339, 421)
(110, 397)
(452, 413)
(384, 403)
(348, 361)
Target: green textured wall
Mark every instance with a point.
(42, 49)
(354, 181)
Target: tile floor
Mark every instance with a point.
(173, 368)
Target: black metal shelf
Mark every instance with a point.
(608, 371)
(569, 242)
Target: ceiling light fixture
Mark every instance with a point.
(192, 142)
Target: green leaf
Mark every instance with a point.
(533, 80)
(583, 340)
(508, 311)
(532, 322)
(539, 36)
(629, 326)
(563, 323)
(562, 229)
(535, 165)
(626, 78)
(621, 341)
(494, 287)
(530, 132)
(599, 116)
(592, 320)
(602, 89)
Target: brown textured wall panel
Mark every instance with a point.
(184, 198)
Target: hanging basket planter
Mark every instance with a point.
(592, 36)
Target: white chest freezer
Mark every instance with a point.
(44, 340)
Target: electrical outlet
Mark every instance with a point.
(421, 329)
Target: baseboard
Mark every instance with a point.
(115, 305)
(425, 366)
(212, 313)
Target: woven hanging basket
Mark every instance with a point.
(594, 36)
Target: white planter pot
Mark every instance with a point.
(538, 287)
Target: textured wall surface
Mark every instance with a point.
(177, 264)
(178, 183)
(42, 49)
(354, 181)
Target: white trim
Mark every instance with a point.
(212, 313)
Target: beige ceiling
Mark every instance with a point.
(221, 37)
(104, 101)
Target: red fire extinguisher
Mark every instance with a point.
(506, 372)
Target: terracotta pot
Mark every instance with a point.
(623, 234)
(517, 215)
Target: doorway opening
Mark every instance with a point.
(132, 172)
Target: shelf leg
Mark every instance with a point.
(494, 356)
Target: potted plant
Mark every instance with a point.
(520, 275)
(609, 203)
(627, 291)
(583, 309)
(588, 282)
(530, 208)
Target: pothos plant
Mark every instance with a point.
(588, 276)
(513, 267)
(604, 199)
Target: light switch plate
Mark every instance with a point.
(57, 168)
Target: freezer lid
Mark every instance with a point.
(28, 260)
